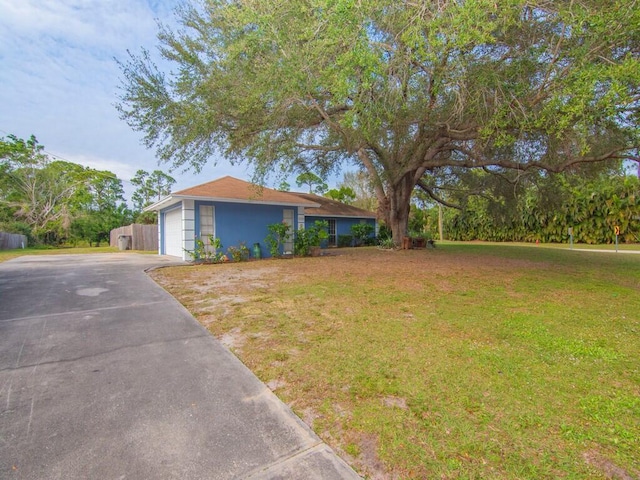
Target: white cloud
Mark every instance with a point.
(124, 171)
(99, 24)
(59, 79)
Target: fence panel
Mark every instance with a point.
(143, 237)
(10, 241)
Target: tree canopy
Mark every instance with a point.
(150, 187)
(50, 200)
(400, 89)
(313, 181)
(343, 194)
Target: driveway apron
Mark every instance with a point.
(104, 375)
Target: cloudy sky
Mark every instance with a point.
(59, 79)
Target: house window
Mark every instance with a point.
(333, 239)
(207, 225)
(287, 217)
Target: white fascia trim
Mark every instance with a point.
(162, 204)
(250, 202)
(167, 201)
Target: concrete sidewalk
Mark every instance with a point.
(637, 252)
(104, 375)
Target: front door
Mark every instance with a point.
(287, 217)
(207, 226)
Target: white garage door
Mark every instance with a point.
(173, 233)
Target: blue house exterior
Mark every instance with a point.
(237, 223)
(232, 210)
(339, 217)
(238, 212)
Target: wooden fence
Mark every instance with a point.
(143, 237)
(9, 241)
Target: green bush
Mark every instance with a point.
(279, 233)
(309, 237)
(211, 253)
(370, 241)
(386, 243)
(240, 253)
(345, 240)
(591, 207)
(361, 232)
(384, 232)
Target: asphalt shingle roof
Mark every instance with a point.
(230, 188)
(332, 208)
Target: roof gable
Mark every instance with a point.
(332, 208)
(230, 188)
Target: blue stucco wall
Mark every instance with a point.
(343, 225)
(236, 223)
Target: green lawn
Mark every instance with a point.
(467, 361)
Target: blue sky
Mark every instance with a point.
(59, 80)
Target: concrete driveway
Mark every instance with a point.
(104, 375)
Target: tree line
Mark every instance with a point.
(54, 202)
(548, 208)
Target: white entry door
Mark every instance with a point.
(287, 217)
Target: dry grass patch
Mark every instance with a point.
(464, 361)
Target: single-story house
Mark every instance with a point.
(236, 212)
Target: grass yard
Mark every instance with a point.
(467, 361)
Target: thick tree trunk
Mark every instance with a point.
(399, 198)
(394, 200)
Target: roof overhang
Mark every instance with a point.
(162, 204)
(173, 199)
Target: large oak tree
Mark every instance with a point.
(399, 88)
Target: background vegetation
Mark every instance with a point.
(54, 202)
(536, 207)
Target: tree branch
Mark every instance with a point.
(426, 189)
(373, 172)
(319, 148)
(473, 160)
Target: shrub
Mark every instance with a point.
(211, 253)
(310, 237)
(370, 241)
(384, 232)
(239, 253)
(386, 243)
(279, 233)
(361, 231)
(345, 240)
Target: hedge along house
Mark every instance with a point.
(340, 217)
(229, 209)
